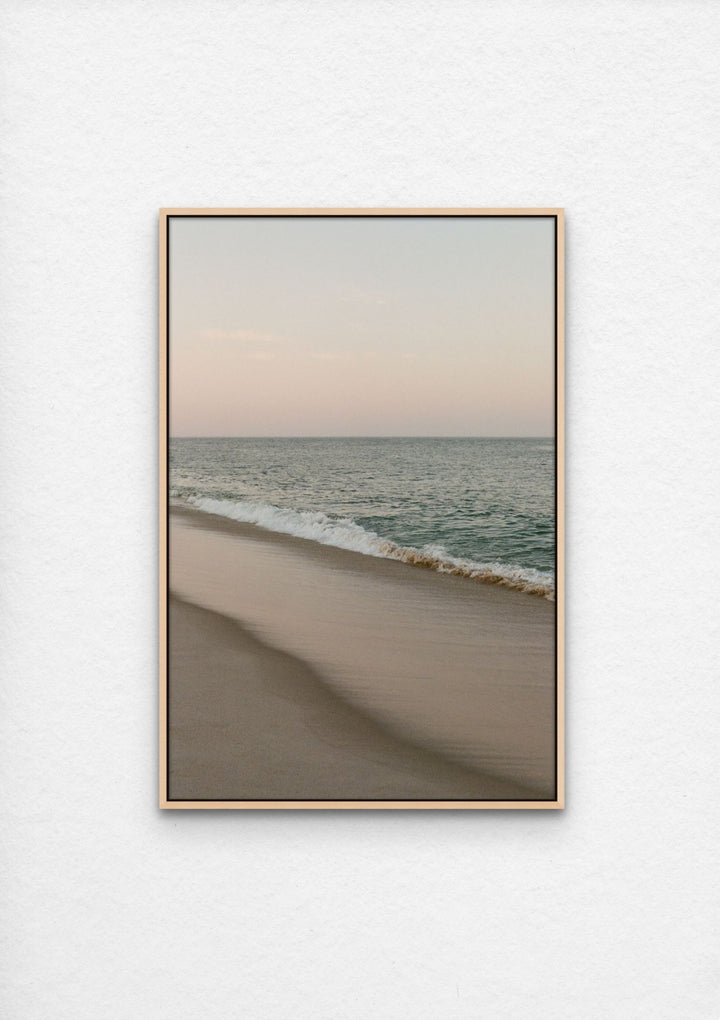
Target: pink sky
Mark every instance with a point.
(362, 326)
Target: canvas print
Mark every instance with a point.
(361, 452)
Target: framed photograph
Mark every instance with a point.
(361, 508)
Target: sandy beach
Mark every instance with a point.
(302, 671)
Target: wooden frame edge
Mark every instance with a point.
(560, 483)
(359, 211)
(163, 376)
(374, 805)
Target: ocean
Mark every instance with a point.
(483, 508)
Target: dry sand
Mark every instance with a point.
(317, 673)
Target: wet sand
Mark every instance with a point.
(249, 722)
(300, 671)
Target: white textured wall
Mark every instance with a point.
(112, 909)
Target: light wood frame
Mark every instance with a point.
(558, 214)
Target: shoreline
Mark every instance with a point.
(350, 559)
(457, 670)
(324, 531)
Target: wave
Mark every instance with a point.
(344, 533)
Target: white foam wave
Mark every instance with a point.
(344, 533)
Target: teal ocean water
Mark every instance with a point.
(479, 507)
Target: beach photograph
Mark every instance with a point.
(361, 499)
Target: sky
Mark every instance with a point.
(359, 325)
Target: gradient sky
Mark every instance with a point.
(338, 326)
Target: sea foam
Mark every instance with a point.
(344, 533)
